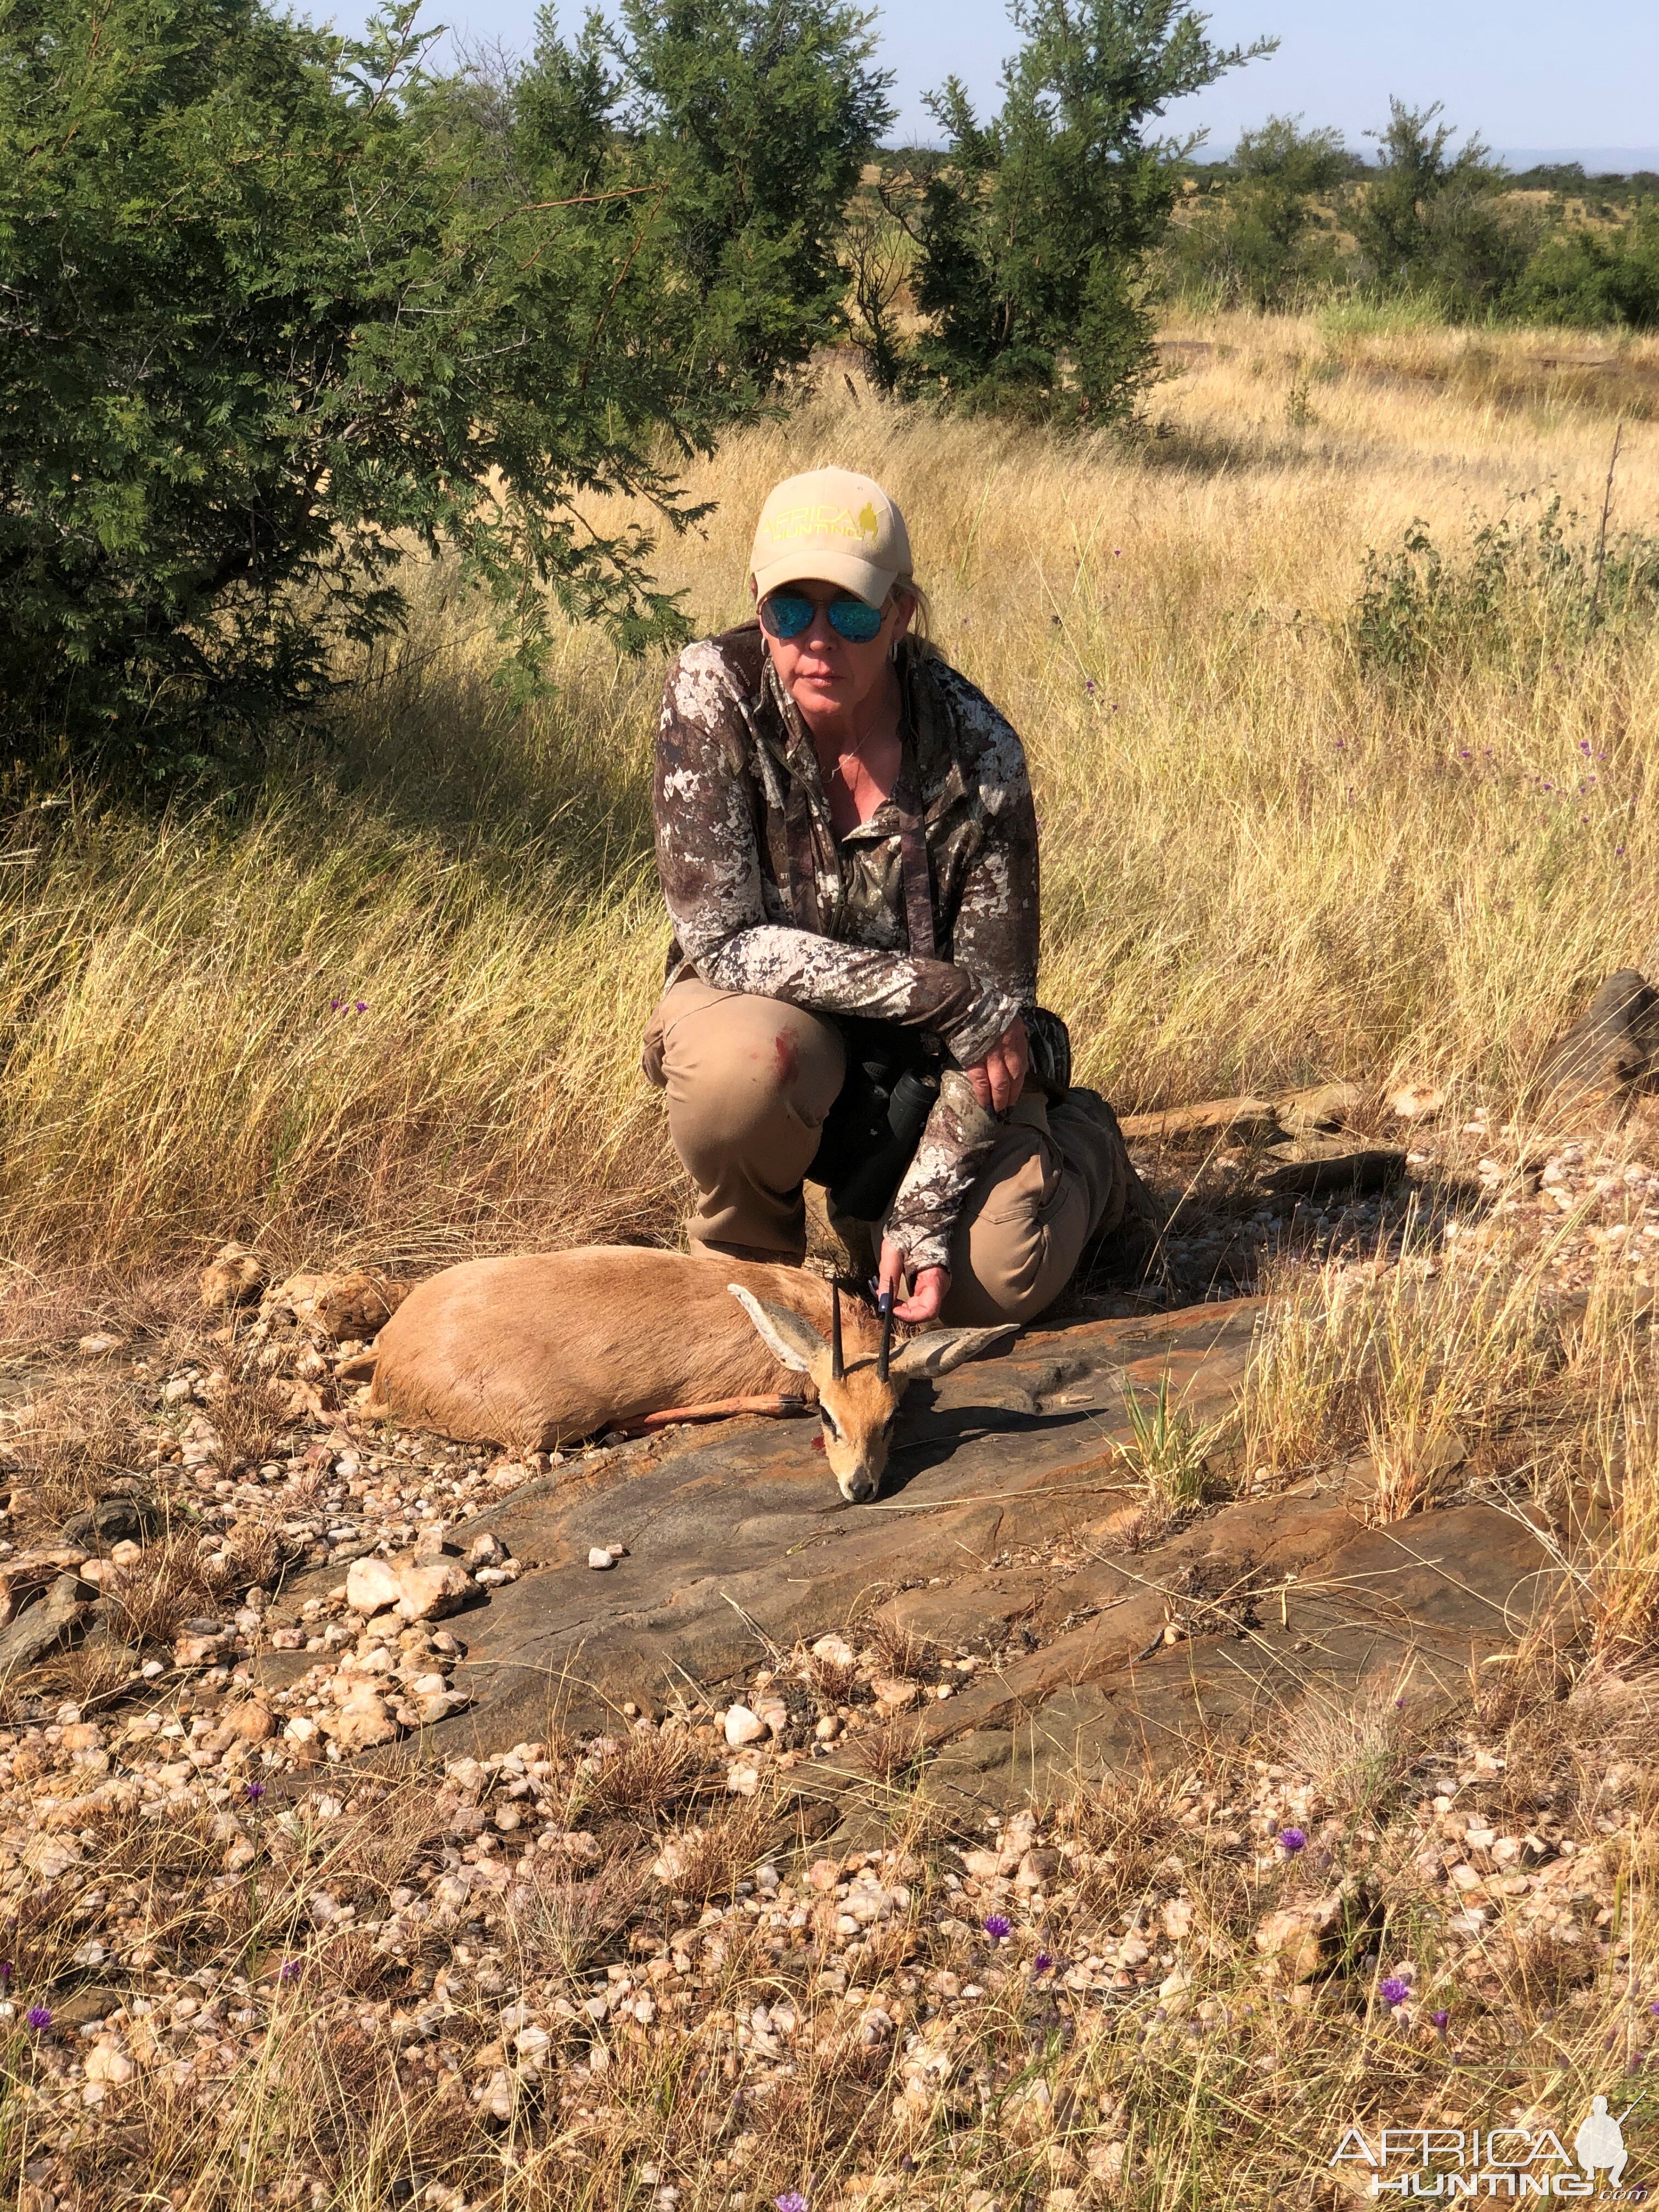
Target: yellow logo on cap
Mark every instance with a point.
(822, 522)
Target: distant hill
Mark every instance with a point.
(1594, 160)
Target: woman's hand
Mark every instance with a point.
(999, 1078)
(929, 1291)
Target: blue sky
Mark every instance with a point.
(1527, 73)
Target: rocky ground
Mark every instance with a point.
(243, 1838)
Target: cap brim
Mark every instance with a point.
(862, 577)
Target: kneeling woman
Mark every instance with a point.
(848, 853)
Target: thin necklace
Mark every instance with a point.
(857, 748)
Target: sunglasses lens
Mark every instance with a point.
(855, 620)
(785, 614)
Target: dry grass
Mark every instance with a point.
(1421, 1368)
(387, 2070)
(1360, 1746)
(647, 1776)
(1263, 865)
(249, 1419)
(903, 1651)
(72, 1446)
(710, 1857)
(167, 1584)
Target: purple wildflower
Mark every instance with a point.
(7, 1970)
(791, 2201)
(998, 1926)
(289, 1971)
(1042, 1964)
(1394, 1991)
(1440, 2019)
(1090, 687)
(38, 2017)
(362, 1006)
(1653, 2008)
(1293, 1840)
(256, 1791)
(335, 1004)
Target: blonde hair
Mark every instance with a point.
(921, 614)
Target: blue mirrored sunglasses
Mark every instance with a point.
(789, 614)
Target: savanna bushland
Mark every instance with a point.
(371, 431)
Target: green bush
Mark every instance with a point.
(1033, 238)
(743, 125)
(1589, 278)
(1261, 241)
(275, 312)
(1430, 220)
(1524, 589)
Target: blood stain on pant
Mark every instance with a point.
(788, 1065)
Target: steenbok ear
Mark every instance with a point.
(942, 1349)
(795, 1341)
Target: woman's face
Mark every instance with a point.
(827, 676)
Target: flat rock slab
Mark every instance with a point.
(42, 1626)
(737, 1537)
(1309, 1608)
(737, 1543)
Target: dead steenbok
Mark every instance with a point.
(537, 1350)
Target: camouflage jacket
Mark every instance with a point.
(764, 896)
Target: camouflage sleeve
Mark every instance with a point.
(997, 920)
(953, 1148)
(712, 885)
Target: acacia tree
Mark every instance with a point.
(748, 121)
(271, 313)
(1033, 238)
(1430, 219)
(1283, 171)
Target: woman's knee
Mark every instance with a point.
(741, 1069)
(1020, 1237)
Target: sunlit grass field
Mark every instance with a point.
(392, 1004)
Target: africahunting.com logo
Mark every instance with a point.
(1512, 2161)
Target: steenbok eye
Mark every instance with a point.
(830, 1424)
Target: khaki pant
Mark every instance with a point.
(750, 1081)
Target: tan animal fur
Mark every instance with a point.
(859, 1400)
(535, 1351)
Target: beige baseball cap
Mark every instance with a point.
(833, 524)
